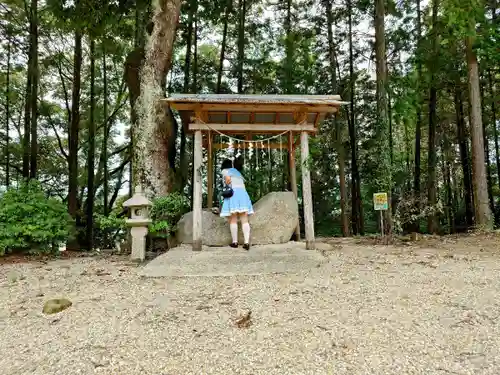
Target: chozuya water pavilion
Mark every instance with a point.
(296, 116)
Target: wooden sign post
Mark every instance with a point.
(381, 203)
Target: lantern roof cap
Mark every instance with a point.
(138, 199)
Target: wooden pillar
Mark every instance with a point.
(306, 192)
(293, 176)
(210, 172)
(197, 192)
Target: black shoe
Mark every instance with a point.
(234, 244)
(246, 246)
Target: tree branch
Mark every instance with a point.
(120, 167)
(112, 115)
(59, 142)
(119, 150)
(27, 11)
(99, 175)
(66, 95)
(118, 186)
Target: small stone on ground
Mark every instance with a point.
(364, 310)
(54, 306)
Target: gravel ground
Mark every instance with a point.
(369, 310)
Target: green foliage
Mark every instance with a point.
(166, 212)
(29, 220)
(160, 229)
(109, 229)
(279, 57)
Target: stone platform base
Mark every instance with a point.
(181, 261)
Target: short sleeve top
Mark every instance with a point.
(236, 181)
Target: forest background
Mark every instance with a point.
(422, 81)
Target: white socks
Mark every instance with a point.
(234, 232)
(246, 232)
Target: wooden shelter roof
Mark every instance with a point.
(233, 113)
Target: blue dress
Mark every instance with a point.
(240, 201)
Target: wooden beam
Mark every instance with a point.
(316, 120)
(201, 115)
(300, 117)
(307, 192)
(255, 145)
(257, 108)
(197, 192)
(254, 128)
(210, 171)
(249, 97)
(293, 178)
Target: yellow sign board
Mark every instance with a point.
(380, 202)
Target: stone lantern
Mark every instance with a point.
(139, 221)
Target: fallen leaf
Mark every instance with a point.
(245, 320)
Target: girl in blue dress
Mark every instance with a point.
(239, 204)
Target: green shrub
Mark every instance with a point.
(29, 220)
(109, 229)
(166, 212)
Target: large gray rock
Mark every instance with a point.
(275, 219)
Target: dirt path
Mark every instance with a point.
(427, 309)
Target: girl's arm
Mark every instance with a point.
(227, 178)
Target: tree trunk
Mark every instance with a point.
(432, 221)
(74, 131)
(418, 125)
(384, 178)
(288, 68)
(270, 157)
(389, 115)
(128, 76)
(391, 145)
(189, 40)
(482, 209)
(194, 89)
(454, 168)
(133, 64)
(183, 162)
(223, 47)
(493, 107)
(407, 153)
(104, 152)
(156, 131)
(343, 189)
(137, 25)
(487, 155)
(28, 101)
(494, 122)
(34, 90)
(288, 79)
(338, 133)
(447, 183)
(356, 203)
(464, 154)
(7, 115)
(91, 151)
(241, 43)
